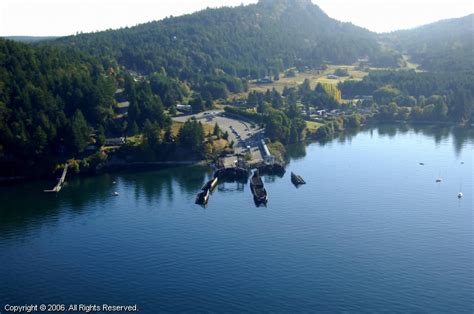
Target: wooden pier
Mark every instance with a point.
(61, 181)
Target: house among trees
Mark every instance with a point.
(184, 108)
(265, 80)
(333, 113)
(120, 95)
(240, 103)
(122, 108)
(321, 113)
(118, 141)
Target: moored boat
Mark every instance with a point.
(258, 190)
(211, 184)
(296, 179)
(203, 197)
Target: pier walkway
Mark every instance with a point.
(61, 181)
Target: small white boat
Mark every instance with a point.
(115, 194)
(439, 180)
(460, 195)
(421, 163)
(114, 182)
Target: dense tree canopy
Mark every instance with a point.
(409, 88)
(246, 41)
(49, 98)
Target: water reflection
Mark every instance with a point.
(231, 185)
(23, 207)
(296, 151)
(462, 136)
(389, 130)
(439, 133)
(348, 135)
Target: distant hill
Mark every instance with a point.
(30, 39)
(254, 40)
(446, 45)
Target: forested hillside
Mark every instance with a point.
(246, 41)
(445, 46)
(48, 97)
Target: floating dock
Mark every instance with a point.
(272, 169)
(232, 173)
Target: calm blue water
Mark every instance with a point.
(370, 232)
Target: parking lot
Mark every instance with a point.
(245, 135)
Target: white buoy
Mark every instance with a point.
(460, 195)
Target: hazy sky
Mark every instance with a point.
(65, 17)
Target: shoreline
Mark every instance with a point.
(112, 167)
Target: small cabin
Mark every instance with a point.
(184, 108)
(239, 103)
(122, 107)
(118, 141)
(265, 80)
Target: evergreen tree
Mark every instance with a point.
(217, 130)
(191, 137)
(80, 131)
(152, 134)
(100, 136)
(39, 140)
